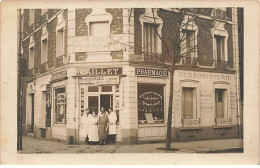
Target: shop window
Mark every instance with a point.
(189, 103)
(60, 42)
(60, 106)
(43, 108)
(99, 28)
(150, 103)
(31, 57)
(93, 89)
(106, 88)
(31, 16)
(44, 51)
(150, 38)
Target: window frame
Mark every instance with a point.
(90, 32)
(148, 17)
(219, 30)
(164, 103)
(45, 58)
(60, 51)
(31, 57)
(187, 83)
(55, 106)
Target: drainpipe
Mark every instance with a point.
(237, 71)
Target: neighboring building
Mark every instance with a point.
(82, 58)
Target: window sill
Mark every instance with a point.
(190, 128)
(59, 125)
(151, 125)
(222, 126)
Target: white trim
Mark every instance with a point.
(219, 30)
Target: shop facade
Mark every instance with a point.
(88, 67)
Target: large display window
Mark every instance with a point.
(150, 103)
(60, 106)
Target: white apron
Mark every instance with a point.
(84, 127)
(93, 129)
(112, 123)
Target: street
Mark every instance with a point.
(34, 145)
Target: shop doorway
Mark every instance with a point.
(106, 101)
(32, 112)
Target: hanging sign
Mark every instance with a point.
(100, 80)
(151, 72)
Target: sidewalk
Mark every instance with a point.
(33, 145)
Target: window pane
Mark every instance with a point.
(93, 103)
(44, 51)
(93, 89)
(188, 103)
(60, 106)
(106, 88)
(150, 103)
(149, 39)
(219, 103)
(60, 42)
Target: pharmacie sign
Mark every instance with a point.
(98, 71)
(151, 72)
(98, 43)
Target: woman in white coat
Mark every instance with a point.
(112, 118)
(85, 123)
(93, 128)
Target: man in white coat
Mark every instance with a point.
(112, 118)
(85, 122)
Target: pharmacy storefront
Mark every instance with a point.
(98, 87)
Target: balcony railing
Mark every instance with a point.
(148, 57)
(190, 61)
(223, 121)
(191, 122)
(220, 64)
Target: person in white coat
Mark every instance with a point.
(85, 122)
(93, 128)
(112, 118)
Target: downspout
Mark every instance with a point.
(237, 71)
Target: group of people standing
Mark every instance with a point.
(99, 127)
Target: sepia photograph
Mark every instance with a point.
(130, 80)
(134, 79)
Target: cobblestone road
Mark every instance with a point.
(33, 145)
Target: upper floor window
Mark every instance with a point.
(31, 57)
(60, 42)
(220, 36)
(31, 16)
(150, 44)
(31, 52)
(99, 28)
(44, 50)
(188, 40)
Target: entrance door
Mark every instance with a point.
(106, 101)
(93, 104)
(32, 118)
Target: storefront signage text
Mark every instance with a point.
(99, 71)
(59, 75)
(196, 75)
(100, 80)
(98, 43)
(151, 72)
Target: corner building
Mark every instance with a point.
(91, 58)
